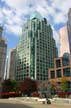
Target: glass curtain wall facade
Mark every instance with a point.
(35, 50)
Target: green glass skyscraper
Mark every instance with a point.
(35, 50)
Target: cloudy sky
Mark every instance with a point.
(14, 13)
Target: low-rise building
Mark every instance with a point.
(62, 67)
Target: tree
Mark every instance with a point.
(13, 85)
(6, 85)
(64, 84)
(28, 86)
(9, 85)
(53, 87)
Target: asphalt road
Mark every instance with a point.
(11, 104)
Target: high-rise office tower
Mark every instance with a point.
(1, 30)
(6, 76)
(35, 50)
(65, 37)
(11, 64)
(64, 41)
(69, 28)
(3, 48)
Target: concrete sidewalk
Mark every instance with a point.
(36, 102)
(19, 101)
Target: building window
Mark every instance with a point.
(52, 74)
(58, 73)
(66, 72)
(58, 64)
(65, 61)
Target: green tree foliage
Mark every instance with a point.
(64, 84)
(53, 87)
(13, 85)
(6, 86)
(9, 85)
(28, 86)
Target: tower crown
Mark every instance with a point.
(36, 15)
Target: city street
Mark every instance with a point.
(10, 104)
(13, 105)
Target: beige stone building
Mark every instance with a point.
(65, 37)
(64, 41)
